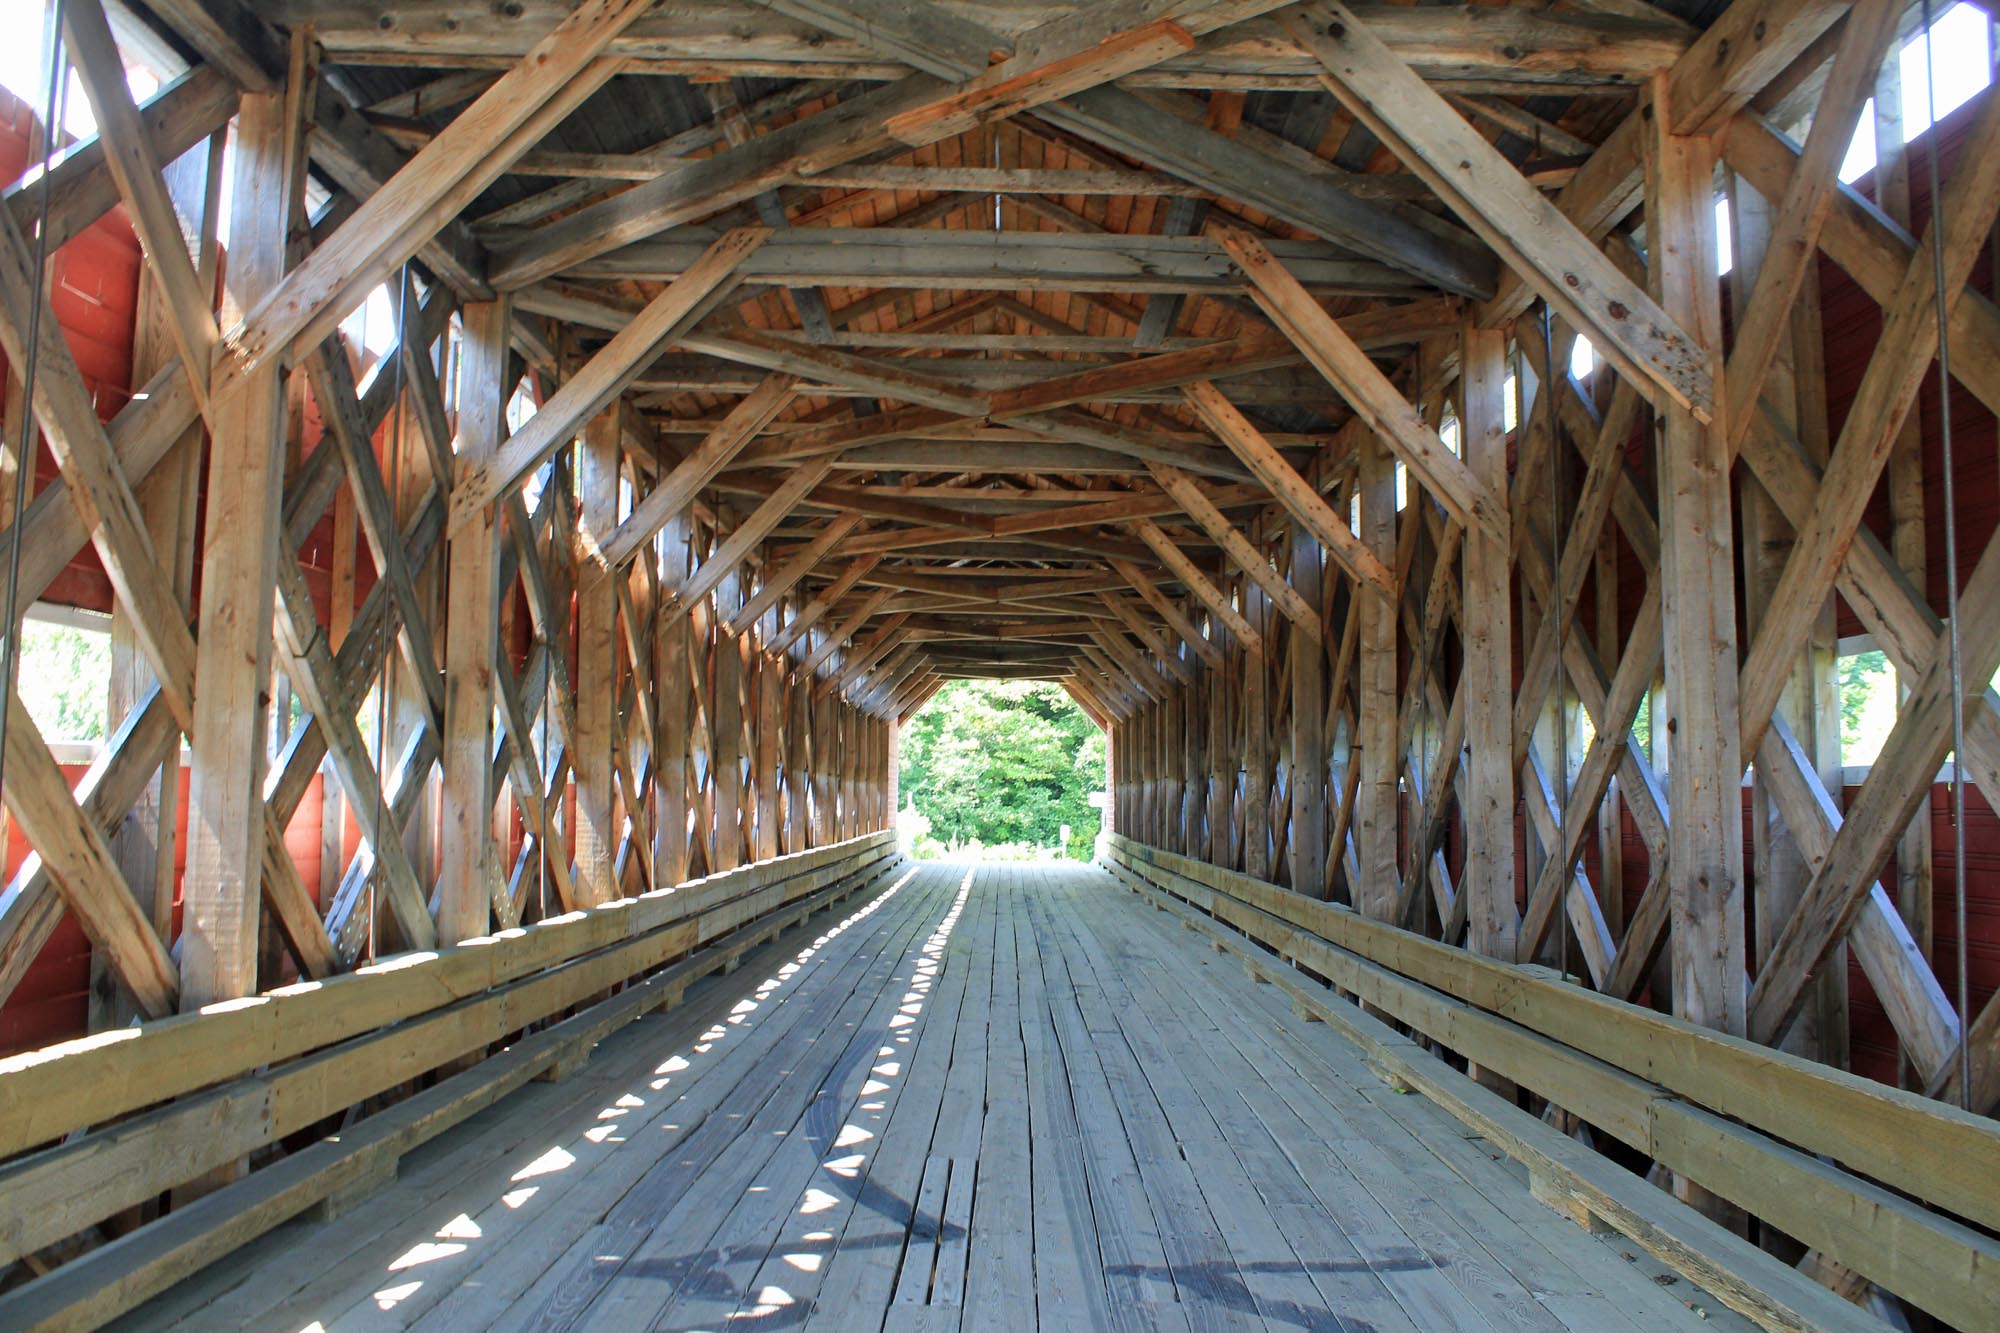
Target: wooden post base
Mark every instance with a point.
(375, 1174)
(1553, 1194)
(1395, 1081)
(566, 1065)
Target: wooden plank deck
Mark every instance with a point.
(992, 1097)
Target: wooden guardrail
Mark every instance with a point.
(1751, 1124)
(242, 1075)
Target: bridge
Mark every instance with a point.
(486, 486)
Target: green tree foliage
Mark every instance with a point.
(1004, 761)
(1867, 704)
(1856, 678)
(65, 680)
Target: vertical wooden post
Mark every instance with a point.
(1115, 817)
(893, 784)
(845, 823)
(880, 730)
(472, 641)
(145, 840)
(1135, 751)
(799, 827)
(672, 650)
(1222, 758)
(1158, 798)
(825, 749)
(1309, 771)
(1698, 604)
(703, 651)
(239, 581)
(727, 728)
(1492, 922)
(596, 666)
(770, 719)
(1257, 728)
(1376, 686)
(1194, 723)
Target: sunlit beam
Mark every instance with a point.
(390, 1297)
(426, 1252)
(555, 1159)
(455, 1237)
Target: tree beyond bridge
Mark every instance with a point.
(1004, 762)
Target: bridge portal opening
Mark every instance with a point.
(1007, 770)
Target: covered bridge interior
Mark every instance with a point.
(530, 457)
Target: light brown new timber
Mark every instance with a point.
(1197, 582)
(1142, 583)
(1360, 383)
(1283, 481)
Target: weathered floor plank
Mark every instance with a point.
(998, 1097)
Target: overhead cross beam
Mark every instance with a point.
(522, 106)
(917, 106)
(1364, 387)
(1294, 492)
(601, 379)
(1747, 46)
(1509, 214)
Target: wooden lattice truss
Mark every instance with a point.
(816, 432)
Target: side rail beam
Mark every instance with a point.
(248, 1074)
(1672, 1091)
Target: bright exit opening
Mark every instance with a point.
(1002, 770)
